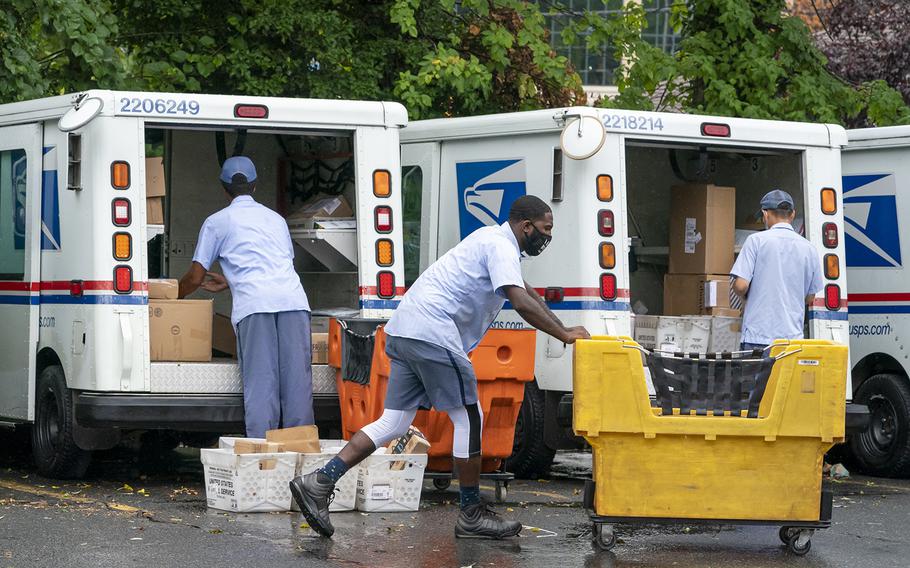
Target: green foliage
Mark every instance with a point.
(745, 58)
(438, 58)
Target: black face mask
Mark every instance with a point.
(536, 242)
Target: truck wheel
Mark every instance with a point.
(56, 453)
(883, 449)
(531, 457)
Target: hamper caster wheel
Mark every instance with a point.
(786, 533)
(502, 491)
(603, 536)
(799, 543)
(442, 483)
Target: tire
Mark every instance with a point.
(531, 457)
(883, 449)
(53, 448)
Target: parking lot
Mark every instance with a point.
(143, 508)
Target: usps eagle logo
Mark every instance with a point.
(870, 221)
(486, 191)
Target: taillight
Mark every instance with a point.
(76, 288)
(832, 296)
(382, 183)
(554, 294)
(383, 219)
(715, 129)
(829, 235)
(604, 187)
(607, 255)
(608, 286)
(605, 223)
(123, 246)
(829, 201)
(251, 111)
(384, 256)
(832, 267)
(385, 284)
(120, 212)
(120, 175)
(123, 279)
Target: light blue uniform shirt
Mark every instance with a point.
(453, 303)
(782, 269)
(256, 253)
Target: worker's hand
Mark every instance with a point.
(214, 282)
(577, 332)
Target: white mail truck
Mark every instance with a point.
(876, 182)
(80, 239)
(607, 174)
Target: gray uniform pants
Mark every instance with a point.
(275, 355)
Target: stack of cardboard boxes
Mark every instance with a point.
(697, 313)
(154, 191)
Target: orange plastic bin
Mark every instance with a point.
(503, 362)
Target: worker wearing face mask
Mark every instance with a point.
(441, 319)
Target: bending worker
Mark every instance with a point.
(270, 313)
(778, 273)
(443, 316)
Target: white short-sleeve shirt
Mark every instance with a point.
(256, 253)
(782, 269)
(454, 301)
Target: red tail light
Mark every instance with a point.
(383, 219)
(832, 297)
(123, 279)
(608, 286)
(605, 223)
(715, 129)
(385, 285)
(251, 111)
(554, 294)
(120, 212)
(76, 288)
(829, 235)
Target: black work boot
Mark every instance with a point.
(313, 492)
(480, 521)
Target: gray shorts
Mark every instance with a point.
(425, 375)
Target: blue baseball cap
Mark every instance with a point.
(777, 199)
(238, 165)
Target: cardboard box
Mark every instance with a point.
(693, 294)
(303, 439)
(413, 442)
(320, 348)
(154, 177)
(163, 289)
(724, 312)
(224, 338)
(180, 330)
(154, 211)
(702, 229)
(253, 447)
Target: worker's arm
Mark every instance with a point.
(533, 293)
(534, 313)
(741, 287)
(191, 280)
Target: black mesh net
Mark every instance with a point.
(358, 336)
(732, 382)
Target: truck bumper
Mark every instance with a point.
(189, 412)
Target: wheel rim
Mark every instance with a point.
(878, 440)
(48, 425)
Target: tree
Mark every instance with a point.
(737, 58)
(438, 57)
(866, 40)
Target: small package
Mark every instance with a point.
(413, 442)
(321, 206)
(154, 177)
(163, 289)
(154, 211)
(303, 439)
(242, 446)
(180, 330)
(320, 342)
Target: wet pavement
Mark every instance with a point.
(137, 508)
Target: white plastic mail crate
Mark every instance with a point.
(380, 488)
(248, 483)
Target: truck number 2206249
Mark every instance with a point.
(158, 106)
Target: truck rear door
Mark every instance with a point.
(20, 231)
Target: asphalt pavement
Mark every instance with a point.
(142, 508)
